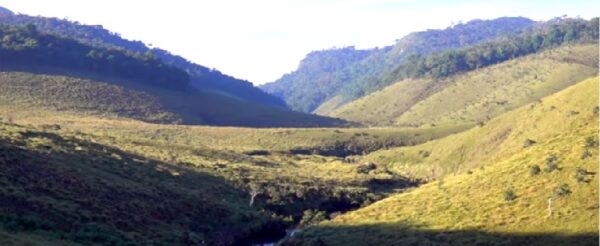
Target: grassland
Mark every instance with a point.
(110, 97)
(65, 187)
(290, 170)
(488, 190)
(475, 96)
(290, 155)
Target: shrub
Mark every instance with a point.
(552, 163)
(257, 152)
(562, 190)
(581, 175)
(424, 153)
(528, 143)
(365, 169)
(586, 153)
(572, 113)
(591, 142)
(50, 127)
(510, 195)
(312, 217)
(535, 170)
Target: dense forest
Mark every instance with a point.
(320, 69)
(201, 77)
(349, 73)
(25, 46)
(443, 64)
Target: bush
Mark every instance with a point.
(510, 195)
(312, 217)
(552, 163)
(562, 190)
(528, 143)
(365, 169)
(535, 170)
(581, 175)
(586, 153)
(591, 142)
(257, 152)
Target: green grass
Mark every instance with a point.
(475, 96)
(284, 162)
(117, 98)
(470, 207)
(69, 187)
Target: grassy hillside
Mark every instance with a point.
(67, 187)
(289, 170)
(475, 96)
(498, 195)
(119, 98)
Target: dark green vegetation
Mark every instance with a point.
(25, 47)
(96, 36)
(70, 188)
(327, 79)
(555, 33)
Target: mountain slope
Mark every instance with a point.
(347, 79)
(121, 98)
(498, 196)
(102, 80)
(474, 96)
(66, 188)
(317, 78)
(95, 35)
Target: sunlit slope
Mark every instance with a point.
(502, 200)
(117, 98)
(478, 95)
(497, 139)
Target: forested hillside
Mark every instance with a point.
(317, 78)
(96, 36)
(311, 86)
(25, 48)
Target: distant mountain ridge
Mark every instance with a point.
(95, 35)
(310, 89)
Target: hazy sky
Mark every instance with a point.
(260, 40)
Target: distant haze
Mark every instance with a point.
(261, 40)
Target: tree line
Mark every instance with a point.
(555, 33)
(23, 46)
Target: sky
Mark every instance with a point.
(260, 40)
